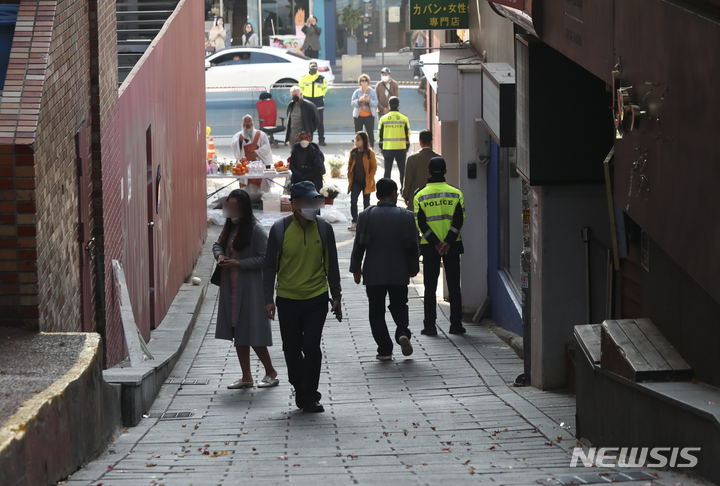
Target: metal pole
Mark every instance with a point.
(222, 8)
(260, 22)
(382, 29)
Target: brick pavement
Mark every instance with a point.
(447, 414)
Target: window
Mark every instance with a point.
(264, 58)
(511, 236)
(230, 59)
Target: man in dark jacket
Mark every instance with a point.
(387, 237)
(302, 116)
(307, 162)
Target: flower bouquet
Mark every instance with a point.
(335, 165)
(329, 192)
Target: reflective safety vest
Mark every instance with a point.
(394, 131)
(438, 201)
(314, 87)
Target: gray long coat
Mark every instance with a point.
(253, 326)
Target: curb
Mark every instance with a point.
(515, 341)
(64, 426)
(140, 384)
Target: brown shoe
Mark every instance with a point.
(352, 227)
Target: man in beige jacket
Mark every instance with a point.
(416, 169)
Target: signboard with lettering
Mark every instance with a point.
(439, 14)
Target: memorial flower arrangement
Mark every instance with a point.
(335, 164)
(329, 191)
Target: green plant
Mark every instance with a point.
(351, 18)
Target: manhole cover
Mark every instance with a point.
(596, 478)
(173, 381)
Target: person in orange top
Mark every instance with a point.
(362, 167)
(364, 102)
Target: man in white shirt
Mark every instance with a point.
(254, 145)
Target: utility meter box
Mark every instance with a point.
(351, 68)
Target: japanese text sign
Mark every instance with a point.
(439, 14)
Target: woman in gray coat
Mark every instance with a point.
(240, 252)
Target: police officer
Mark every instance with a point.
(314, 87)
(394, 137)
(440, 214)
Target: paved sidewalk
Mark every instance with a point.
(448, 414)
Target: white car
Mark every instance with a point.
(259, 67)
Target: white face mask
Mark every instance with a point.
(304, 143)
(385, 79)
(309, 213)
(359, 143)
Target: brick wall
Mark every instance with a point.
(64, 108)
(166, 93)
(46, 97)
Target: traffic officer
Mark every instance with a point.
(394, 138)
(314, 87)
(440, 214)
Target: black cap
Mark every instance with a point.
(394, 101)
(437, 166)
(304, 190)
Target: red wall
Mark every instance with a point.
(165, 92)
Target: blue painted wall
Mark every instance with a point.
(328, 34)
(503, 309)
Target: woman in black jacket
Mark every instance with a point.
(307, 162)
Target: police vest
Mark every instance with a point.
(314, 87)
(438, 201)
(394, 131)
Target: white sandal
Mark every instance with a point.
(268, 382)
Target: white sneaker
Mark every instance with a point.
(383, 358)
(417, 77)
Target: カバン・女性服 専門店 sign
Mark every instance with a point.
(439, 14)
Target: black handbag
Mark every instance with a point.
(216, 276)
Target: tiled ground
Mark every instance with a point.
(446, 415)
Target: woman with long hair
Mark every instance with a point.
(240, 252)
(249, 37)
(362, 167)
(218, 34)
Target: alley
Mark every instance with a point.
(446, 414)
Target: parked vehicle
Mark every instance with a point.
(261, 66)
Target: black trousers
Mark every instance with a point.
(357, 189)
(431, 272)
(395, 155)
(366, 123)
(398, 309)
(311, 53)
(301, 325)
(321, 126)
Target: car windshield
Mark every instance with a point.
(298, 55)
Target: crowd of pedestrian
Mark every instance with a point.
(294, 271)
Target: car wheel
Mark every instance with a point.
(281, 90)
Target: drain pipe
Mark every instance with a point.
(586, 236)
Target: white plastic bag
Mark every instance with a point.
(216, 216)
(332, 215)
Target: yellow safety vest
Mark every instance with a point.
(438, 201)
(394, 131)
(312, 87)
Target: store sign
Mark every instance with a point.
(394, 15)
(439, 14)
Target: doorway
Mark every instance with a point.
(86, 244)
